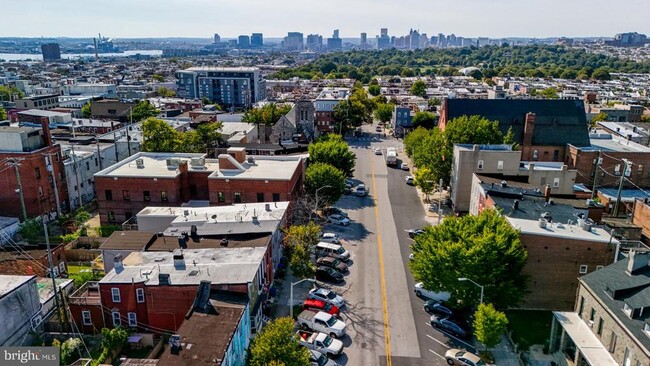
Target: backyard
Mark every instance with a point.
(529, 327)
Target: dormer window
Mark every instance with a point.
(627, 310)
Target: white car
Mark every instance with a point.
(361, 190)
(326, 295)
(377, 151)
(338, 220)
(409, 180)
(319, 359)
(404, 166)
(422, 292)
(330, 238)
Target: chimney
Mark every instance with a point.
(117, 263)
(179, 260)
(47, 136)
(529, 128)
(636, 261)
(239, 153)
(547, 192)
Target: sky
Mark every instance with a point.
(274, 18)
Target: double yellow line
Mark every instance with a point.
(381, 268)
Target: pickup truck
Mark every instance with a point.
(320, 342)
(322, 322)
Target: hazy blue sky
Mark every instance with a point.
(202, 18)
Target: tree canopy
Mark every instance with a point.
(10, 92)
(299, 240)
(267, 115)
(484, 248)
(384, 112)
(419, 88)
(425, 180)
(354, 111)
(374, 89)
(3, 114)
(489, 325)
(333, 150)
(319, 175)
(159, 136)
(424, 119)
(277, 344)
(143, 110)
(86, 111)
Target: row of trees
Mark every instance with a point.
(142, 110)
(159, 136)
(267, 115)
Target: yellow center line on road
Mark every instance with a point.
(381, 268)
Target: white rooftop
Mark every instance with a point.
(42, 113)
(560, 230)
(9, 283)
(226, 69)
(264, 167)
(542, 165)
(624, 129)
(583, 336)
(607, 142)
(219, 266)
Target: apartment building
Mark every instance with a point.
(239, 87)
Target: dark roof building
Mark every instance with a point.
(542, 127)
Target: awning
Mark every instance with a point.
(585, 340)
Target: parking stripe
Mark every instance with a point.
(435, 353)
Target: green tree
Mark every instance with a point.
(476, 74)
(489, 325)
(424, 119)
(425, 180)
(601, 73)
(384, 112)
(81, 218)
(407, 72)
(206, 136)
(157, 77)
(300, 262)
(299, 241)
(333, 150)
(600, 117)
(143, 110)
(86, 111)
(549, 93)
(433, 102)
(419, 88)
(10, 92)
(414, 141)
(70, 350)
(277, 344)
(165, 92)
(374, 90)
(159, 136)
(3, 114)
(509, 139)
(472, 130)
(320, 175)
(267, 115)
(461, 247)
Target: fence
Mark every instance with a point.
(82, 255)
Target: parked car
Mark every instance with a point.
(320, 359)
(330, 238)
(410, 180)
(321, 321)
(349, 183)
(320, 342)
(436, 307)
(334, 211)
(378, 129)
(411, 256)
(328, 274)
(377, 151)
(404, 166)
(415, 232)
(361, 190)
(422, 292)
(332, 262)
(326, 295)
(321, 305)
(338, 219)
(463, 358)
(324, 249)
(448, 325)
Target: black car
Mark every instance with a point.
(414, 232)
(449, 326)
(328, 274)
(332, 262)
(436, 307)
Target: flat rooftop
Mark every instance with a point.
(169, 244)
(607, 142)
(42, 113)
(223, 69)
(128, 240)
(542, 165)
(264, 167)
(9, 283)
(561, 230)
(470, 147)
(12, 129)
(219, 266)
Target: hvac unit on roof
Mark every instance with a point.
(197, 162)
(139, 162)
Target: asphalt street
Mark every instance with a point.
(386, 322)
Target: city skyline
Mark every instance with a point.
(160, 19)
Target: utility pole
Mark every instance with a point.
(99, 155)
(54, 286)
(117, 156)
(128, 138)
(14, 162)
(76, 175)
(50, 167)
(593, 188)
(627, 164)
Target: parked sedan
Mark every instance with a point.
(377, 151)
(436, 307)
(328, 274)
(404, 166)
(332, 262)
(361, 190)
(410, 180)
(463, 358)
(414, 232)
(326, 295)
(338, 220)
(320, 305)
(335, 211)
(330, 238)
(447, 325)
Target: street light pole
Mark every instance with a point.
(291, 294)
(462, 279)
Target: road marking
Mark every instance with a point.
(435, 340)
(450, 336)
(437, 354)
(384, 302)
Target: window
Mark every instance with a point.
(55, 269)
(535, 154)
(617, 169)
(592, 315)
(627, 309)
(583, 269)
(115, 293)
(599, 267)
(237, 197)
(556, 155)
(582, 305)
(85, 315)
(260, 197)
(62, 267)
(125, 195)
(111, 217)
(146, 195)
(627, 360)
(108, 195)
(221, 198)
(639, 169)
(542, 181)
(500, 165)
(139, 294)
(133, 319)
(163, 196)
(276, 197)
(87, 165)
(480, 165)
(116, 318)
(556, 182)
(96, 162)
(37, 171)
(599, 330)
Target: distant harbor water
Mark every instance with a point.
(72, 56)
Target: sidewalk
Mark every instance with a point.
(281, 302)
(504, 355)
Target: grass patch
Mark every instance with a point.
(76, 269)
(529, 327)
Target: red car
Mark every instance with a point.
(320, 305)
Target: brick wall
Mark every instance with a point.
(641, 217)
(583, 161)
(28, 267)
(99, 319)
(128, 302)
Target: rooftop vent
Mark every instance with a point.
(163, 279)
(139, 162)
(542, 223)
(251, 160)
(224, 242)
(504, 183)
